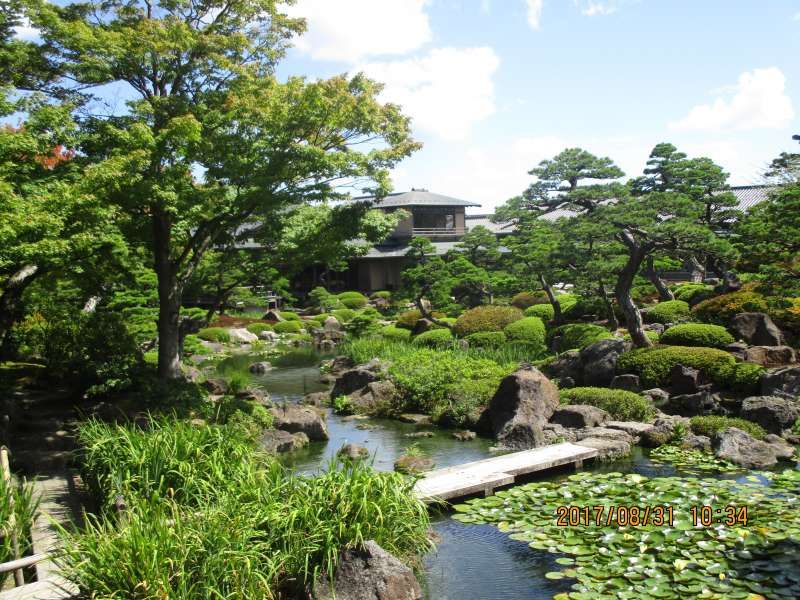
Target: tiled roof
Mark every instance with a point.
(397, 250)
(417, 198)
(750, 195)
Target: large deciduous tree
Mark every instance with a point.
(211, 140)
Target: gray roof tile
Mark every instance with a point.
(417, 198)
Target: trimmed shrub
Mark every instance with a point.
(486, 339)
(653, 365)
(289, 315)
(697, 334)
(258, 327)
(567, 301)
(576, 336)
(622, 405)
(525, 299)
(435, 338)
(391, 332)
(708, 425)
(721, 309)
(645, 292)
(688, 291)
(382, 294)
(353, 300)
(651, 335)
(544, 311)
(745, 377)
(529, 330)
(409, 318)
(287, 327)
(486, 318)
(671, 311)
(344, 315)
(214, 334)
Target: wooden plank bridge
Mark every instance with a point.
(484, 476)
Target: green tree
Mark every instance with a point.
(212, 140)
(427, 278)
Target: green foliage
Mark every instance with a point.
(622, 405)
(708, 425)
(435, 338)
(463, 403)
(257, 328)
(192, 345)
(486, 339)
(393, 332)
(722, 309)
(525, 300)
(342, 405)
(528, 329)
(567, 301)
(385, 295)
(214, 334)
(486, 318)
(17, 500)
(323, 300)
(653, 365)
(353, 300)
(289, 315)
(363, 323)
(697, 334)
(407, 319)
(576, 336)
(287, 327)
(671, 311)
(745, 377)
(688, 291)
(344, 315)
(543, 311)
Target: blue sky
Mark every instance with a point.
(495, 86)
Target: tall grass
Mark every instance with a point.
(17, 500)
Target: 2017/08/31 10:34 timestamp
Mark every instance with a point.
(640, 516)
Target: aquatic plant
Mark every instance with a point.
(690, 460)
(610, 556)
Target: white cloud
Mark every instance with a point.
(593, 9)
(759, 101)
(796, 17)
(25, 32)
(445, 92)
(535, 13)
(352, 30)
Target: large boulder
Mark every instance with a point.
(664, 429)
(332, 324)
(272, 315)
(770, 356)
(685, 380)
(771, 412)
(242, 336)
(216, 386)
(756, 328)
(352, 452)
(277, 441)
(368, 573)
(579, 416)
(294, 418)
(783, 382)
(740, 448)
(627, 382)
(608, 448)
(373, 396)
(422, 325)
(599, 361)
(566, 366)
(259, 368)
(783, 449)
(355, 379)
(522, 404)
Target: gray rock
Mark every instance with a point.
(413, 464)
(255, 395)
(784, 382)
(317, 399)
(606, 433)
(770, 356)
(300, 439)
(352, 452)
(275, 441)
(771, 412)
(690, 405)
(332, 324)
(339, 365)
(579, 416)
(599, 361)
(555, 433)
(272, 315)
(259, 368)
(523, 402)
(267, 336)
(627, 382)
(415, 418)
(783, 449)
(657, 395)
(685, 380)
(368, 573)
(567, 365)
(464, 436)
(354, 379)
(216, 386)
(373, 396)
(609, 448)
(756, 328)
(422, 325)
(696, 442)
(242, 336)
(566, 382)
(663, 430)
(326, 345)
(632, 428)
(293, 418)
(740, 448)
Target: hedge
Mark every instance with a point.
(671, 311)
(721, 309)
(287, 327)
(576, 336)
(529, 330)
(653, 365)
(352, 300)
(543, 311)
(214, 334)
(435, 338)
(289, 315)
(622, 405)
(486, 339)
(525, 299)
(697, 334)
(486, 318)
(257, 328)
(392, 332)
(708, 425)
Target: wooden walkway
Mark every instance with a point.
(484, 476)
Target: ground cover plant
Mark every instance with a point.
(622, 405)
(708, 425)
(678, 557)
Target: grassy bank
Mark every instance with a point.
(208, 516)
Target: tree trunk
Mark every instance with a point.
(611, 316)
(169, 300)
(10, 308)
(622, 291)
(427, 315)
(558, 317)
(730, 280)
(650, 272)
(698, 270)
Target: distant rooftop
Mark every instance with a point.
(417, 198)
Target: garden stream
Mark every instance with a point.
(470, 561)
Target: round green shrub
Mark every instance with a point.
(214, 334)
(525, 299)
(576, 336)
(289, 315)
(622, 405)
(688, 291)
(745, 377)
(486, 318)
(697, 334)
(391, 332)
(486, 339)
(353, 300)
(408, 318)
(344, 315)
(287, 327)
(651, 335)
(721, 309)
(708, 425)
(543, 311)
(653, 365)
(528, 329)
(671, 311)
(259, 327)
(567, 301)
(382, 294)
(435, 338)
